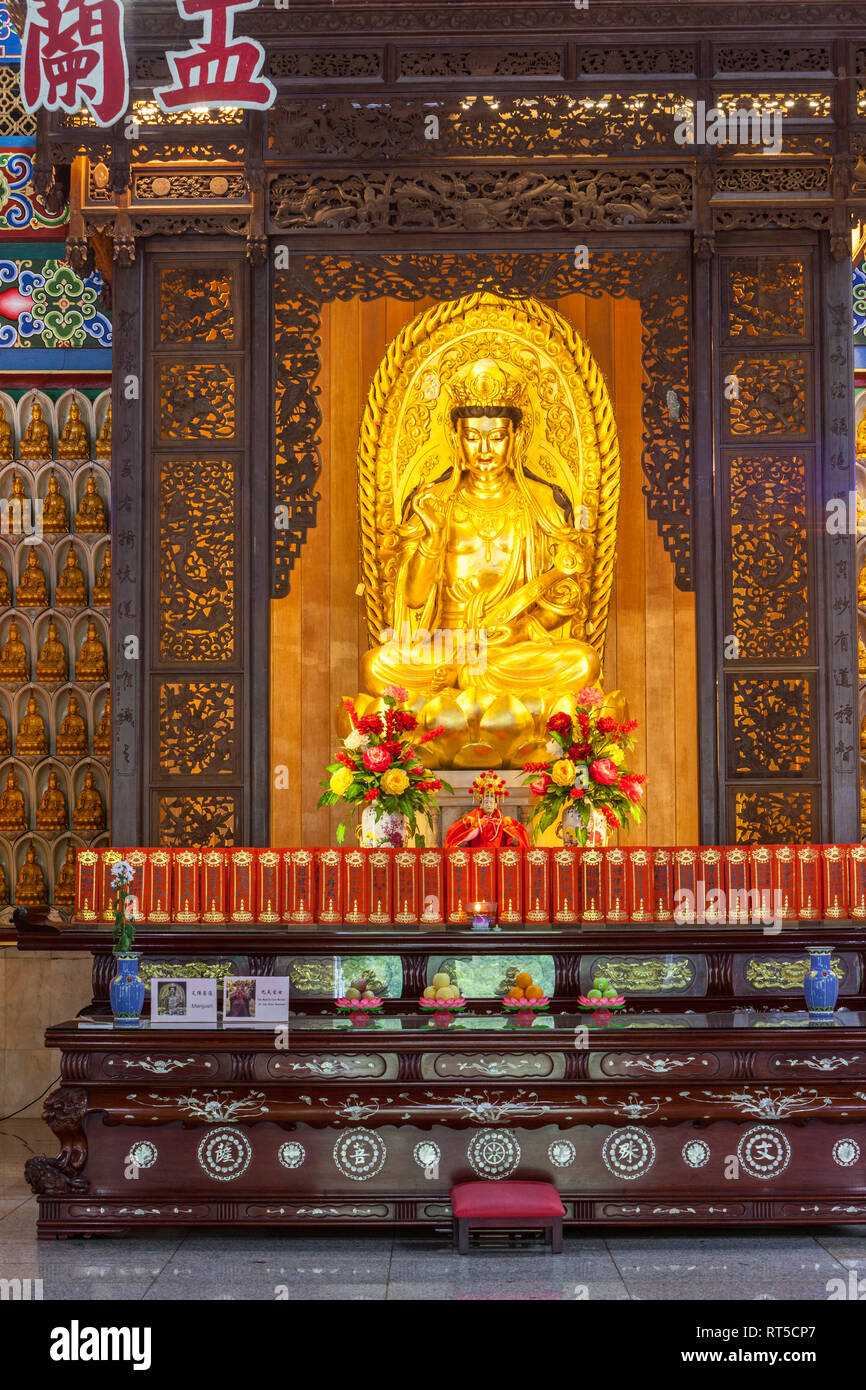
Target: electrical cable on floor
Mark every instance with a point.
(28, 1103)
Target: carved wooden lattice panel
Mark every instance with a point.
(198, 682)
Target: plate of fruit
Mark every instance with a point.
(442, 994)
(603, 995)
(359, 998)
(525, 994)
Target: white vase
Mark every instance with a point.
(373, 833)
(572, 821)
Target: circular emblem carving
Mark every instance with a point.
(291, 1155)
(426, 1154)
(764, 1152)
(561, 1153)
(225, 1154)
(360, 1154)
(846, 1152)
(628, 1153)
(143, 1154)
(696, 1153)
(493, 1153)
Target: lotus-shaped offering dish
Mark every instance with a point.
(518, 1006)
(357, 1006)
(595, 1005)
(443, 1005)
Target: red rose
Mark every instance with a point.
(559, 724)
(579, 751)
(540, 787)
(377, 759)
(602, 770)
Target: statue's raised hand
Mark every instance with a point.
(432, 513)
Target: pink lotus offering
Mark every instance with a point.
(442, 1005)
(357, 1006)
(615, 1001)
(517, 1006)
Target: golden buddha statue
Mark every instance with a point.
(72, 735)
(52, 814)
(5, 592)
(71, 586)
(73, 442)
(102, 737)
(32, 586)
(32, 741)
(18, 493)
(14, 657)
(52, 664)
(6, 445)
(92, 663)
(88, 818)
(30, 889)
(91, 518)
(103, 440)
(36, 443)
(102, 584)
(860, 439)
(64, 888)
(5, 741)
(13, 813)
(55, 514)
(4, 888)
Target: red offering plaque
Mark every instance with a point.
(639, 885)
(187, 863)
(685, 867)
(856, 881)
(784, 875)
(808, 883)
(591, 885)
(299, 885)
(564, 874)
(214, 887)
(87, 885)
(710, 875)
(407, 879)
(482, 876)
(835, 880)
(458, 891)
(432, 885)
(762, 881)
(736, 884)
(107, 860)
(536, 885)
(268, 900)
(242, 885)
(663, 891)
(329, 894)
(157, 886)
(380, 875)
(509, 885)
(355, 885)
(135, 890)
(615, 876)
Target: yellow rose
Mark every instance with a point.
(562, 772)
(616, 755)
(341, 781)
(394, 781)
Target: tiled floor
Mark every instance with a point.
(177, 1264)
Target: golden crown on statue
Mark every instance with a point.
(486, 386)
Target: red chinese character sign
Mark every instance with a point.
(73, 55)
(218, 69)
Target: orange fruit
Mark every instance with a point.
(515, 993)
(523, 979)
(534, 992)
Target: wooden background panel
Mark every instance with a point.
(318, 631)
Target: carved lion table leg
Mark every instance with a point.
(63, 1112)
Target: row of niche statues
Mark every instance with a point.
(52, 813)
(31, 890)
(71, 587)
(52, 663)
(32, 738)
(73, 444)
(91, 517)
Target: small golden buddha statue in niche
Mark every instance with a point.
(55, 513)
(72, 735)
(32, 586)
(71, 585)
(103, 441)
(52, 815)
(30, 889)
(73, 442)
(4, 887)
(5, 592)
(32, 741)
(13, 812)
(102, 737)
(88, 818)
(92, 663)
(64, 888)
(5, 741)
(14, 657)
(36, 443)
(52, 664)
(860, 439)
(91, 517)
(102, 585)
(18, 492)
(6, 443)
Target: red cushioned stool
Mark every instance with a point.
(521, 1205)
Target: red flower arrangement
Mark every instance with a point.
(378, 766)
(588, 771)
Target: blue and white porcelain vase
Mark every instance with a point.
(820, 986)
(126, 990)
